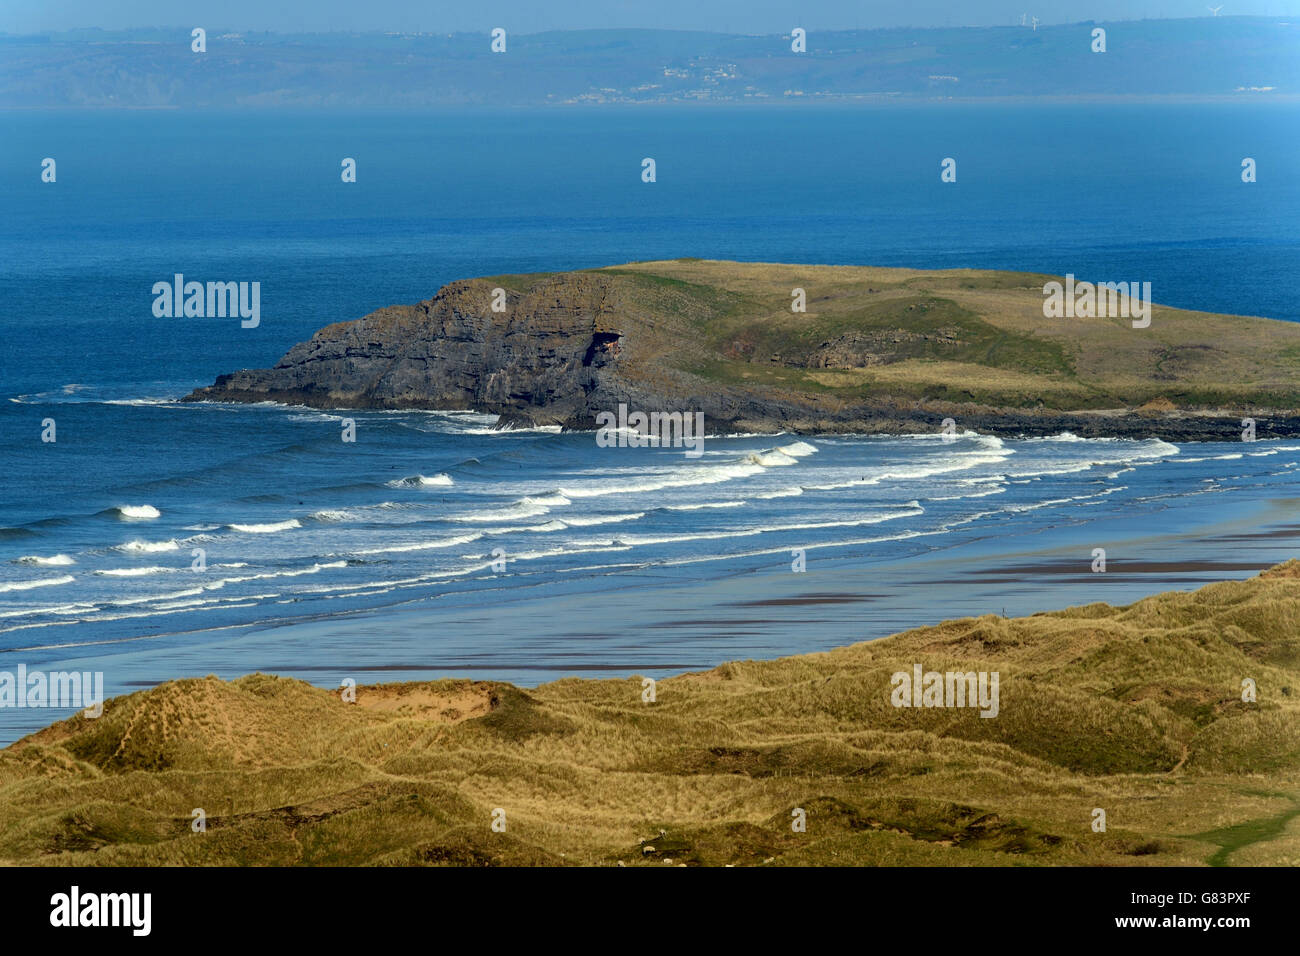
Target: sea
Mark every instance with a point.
(153, 539)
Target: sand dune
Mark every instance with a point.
(1137, 711)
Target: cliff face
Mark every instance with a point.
(542, 357)
(567, 348)
(876, 351)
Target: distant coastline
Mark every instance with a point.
(1204, 59)
(829, 101)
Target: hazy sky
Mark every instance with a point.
(530, 16)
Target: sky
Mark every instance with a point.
(532, 16)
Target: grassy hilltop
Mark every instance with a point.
(1134, 710)
(961, 336)
(877, 350)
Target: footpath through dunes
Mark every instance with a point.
(1137, 711)
(872, 350)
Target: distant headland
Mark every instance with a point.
(760, 347)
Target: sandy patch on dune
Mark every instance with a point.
(446, 706)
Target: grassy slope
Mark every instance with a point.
(1135, 710)
(725, 321)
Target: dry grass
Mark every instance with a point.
(730, 322)
(1134, 710)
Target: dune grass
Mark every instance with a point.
(1136, 711)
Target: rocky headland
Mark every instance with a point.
(875, 350)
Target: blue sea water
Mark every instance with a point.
(325, 558)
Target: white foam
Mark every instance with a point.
(422, 481)
(333, 514)
(56, 560)
(988, 441)
(1069, 438)
(423, 545)
(551, 499)
(678, 478)
(135, 512)
(941, 467)
(154, 599)
(148, 547)
(552, 525)
(636, 539)
(133, 572)
(151, 598)
(154, 612)
(585, 521)
(509, 429)
(31, 585)
(902, 536)
(1148, 452)
(1047, 472)
(996, 490)
(512, 512)
(791, 492)
(49, 609)
(538, 555)
(772, 459)
(1034, 506)
(336, 588)
(298, 572)
(1211, 458)
(269, 528)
